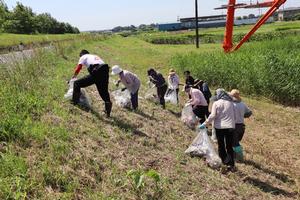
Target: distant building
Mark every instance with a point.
(287, 13)
(212, 21)
(239, 22)
(170, 27)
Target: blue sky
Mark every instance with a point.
(106, 14)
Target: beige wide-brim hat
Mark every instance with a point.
(116, 70)
(235, 94)
(172, 72)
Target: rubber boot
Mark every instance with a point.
(238, 150)
(108, 106)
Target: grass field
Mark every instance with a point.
(10, 40)
(52, 150)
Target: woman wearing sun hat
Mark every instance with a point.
(131, 83)
(241, 111)
(173, 82)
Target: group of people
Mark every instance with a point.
(227, 113)
(227, 116)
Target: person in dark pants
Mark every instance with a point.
(160, 83)
(241, 111)
(224, 122)
(98, 75)
(198, 102)
(130, 81)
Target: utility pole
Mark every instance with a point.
(197, 24)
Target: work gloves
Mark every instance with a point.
(202, 126)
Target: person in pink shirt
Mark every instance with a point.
(198, 102)
(131, 83)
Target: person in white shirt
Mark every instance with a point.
(98, 75)
(222, 114)
(198, 102)
(173, 83)
(130, 81)
(241, 111)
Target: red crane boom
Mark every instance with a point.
(228, 41)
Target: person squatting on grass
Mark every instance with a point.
(160, 83)
(98, 75)
(198, 102)
(203, 87)
(173, 83)
(130, 81)
(241, 111)
(222, 115)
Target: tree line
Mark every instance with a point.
(22, 20)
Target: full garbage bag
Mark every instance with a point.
(122, 98)
(171, 96)
(151, 94)
(203, 147)
(188, 116)
(84, 99)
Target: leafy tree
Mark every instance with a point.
(44, 23)
(4, 13)
(22, 20)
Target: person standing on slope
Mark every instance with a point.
(98, 75)
(241, 111)
(173, 83)
(222, 115)
(130, 81)
(160, 83)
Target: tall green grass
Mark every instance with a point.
(183, 38)
(270, 69)
(30, 90)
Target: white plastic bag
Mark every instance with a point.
(188, 116)
(171, 96)
(203, 147)
(151, 95)
(122, 99)
(84, 99)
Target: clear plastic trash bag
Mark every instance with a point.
(151, 95)
(84, 99)
(122, 98)
(171, 96)
(188, 116)
(203, 147)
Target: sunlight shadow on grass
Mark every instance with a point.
(280, 176)
(265, 187)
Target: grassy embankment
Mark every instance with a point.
(11, 41)
(216, 35)
(53, 150)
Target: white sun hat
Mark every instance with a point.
(116, 70)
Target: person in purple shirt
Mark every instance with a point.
(131, 83)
